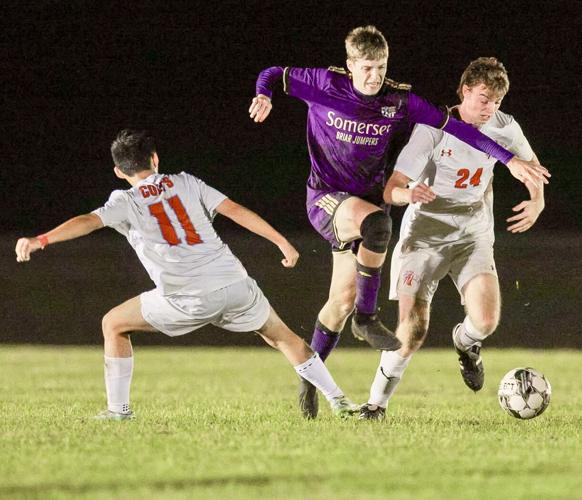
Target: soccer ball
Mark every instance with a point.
(524, 393)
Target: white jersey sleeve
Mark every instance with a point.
(416, 155)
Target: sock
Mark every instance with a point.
(118, 373)
(314, 371)
(323, 340)
(367, 286)
(387, 378)
(467, 335)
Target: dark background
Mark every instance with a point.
(74, 73)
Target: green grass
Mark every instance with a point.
(222, 423)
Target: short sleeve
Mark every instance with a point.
(520, 145)
(115, 211)
(209, 197)
(417, 153)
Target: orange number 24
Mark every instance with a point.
(464, 174)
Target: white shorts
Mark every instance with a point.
(465, 250)
(240, 307)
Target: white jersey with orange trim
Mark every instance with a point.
(167, 219)
(457, 173)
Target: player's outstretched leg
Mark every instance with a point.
(322, 342)
(375, 230)
(307, 364)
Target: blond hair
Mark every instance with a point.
(366, 42)
(486, 70)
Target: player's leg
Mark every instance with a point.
(116, 325)
(340, 304)
(330, 321)
(414, 315)
(307, 364)
(356, 218)
(483, 306)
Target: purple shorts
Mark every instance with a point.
(321, 209)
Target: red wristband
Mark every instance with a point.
(43, 240)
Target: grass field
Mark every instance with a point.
(223, 423)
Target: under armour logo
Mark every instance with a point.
(446, 152)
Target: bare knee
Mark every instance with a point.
(111, 326)
(486, 323)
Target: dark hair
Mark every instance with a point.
(132, 151)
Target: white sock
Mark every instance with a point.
(118, 373)
(314, 371)
(387, 378)
(467, 335)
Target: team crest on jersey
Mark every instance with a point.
(446, 152)
(388, 111)
(409, 277)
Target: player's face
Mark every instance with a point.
(367, 74)
(479, 104)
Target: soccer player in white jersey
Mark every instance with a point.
(448, 229)
(167, 219)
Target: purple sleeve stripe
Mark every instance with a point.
(267, 79)
(476, 139)
(422, 111)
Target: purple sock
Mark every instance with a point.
(367, 287)
(323, 340)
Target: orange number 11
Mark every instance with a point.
(168, 231)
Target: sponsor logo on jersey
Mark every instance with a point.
(355, 127)
(388, 111)
(446, 152)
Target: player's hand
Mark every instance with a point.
(26, 246)
(291, 254)
(422, 193)
(528, 170)
(529, 211)
(260, 108)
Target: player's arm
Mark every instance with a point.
(528, 211)
(303, 83)
(421, 111)
(397, 192)
(256, 224)
(261, 104)
(73, 228)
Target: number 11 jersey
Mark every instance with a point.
(167, 219)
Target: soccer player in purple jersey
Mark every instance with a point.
(355, 120)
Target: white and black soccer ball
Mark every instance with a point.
(524, 393)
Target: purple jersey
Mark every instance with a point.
(349, 135)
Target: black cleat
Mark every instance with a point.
(471, 365)
(308, 402)
(371, 412)
(370, 328)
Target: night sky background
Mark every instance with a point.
(74, 73)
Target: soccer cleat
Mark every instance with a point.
(370, 328)
(308, 401)
(113, 415)
(371, 412)
(470, 363)
(342, 407)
